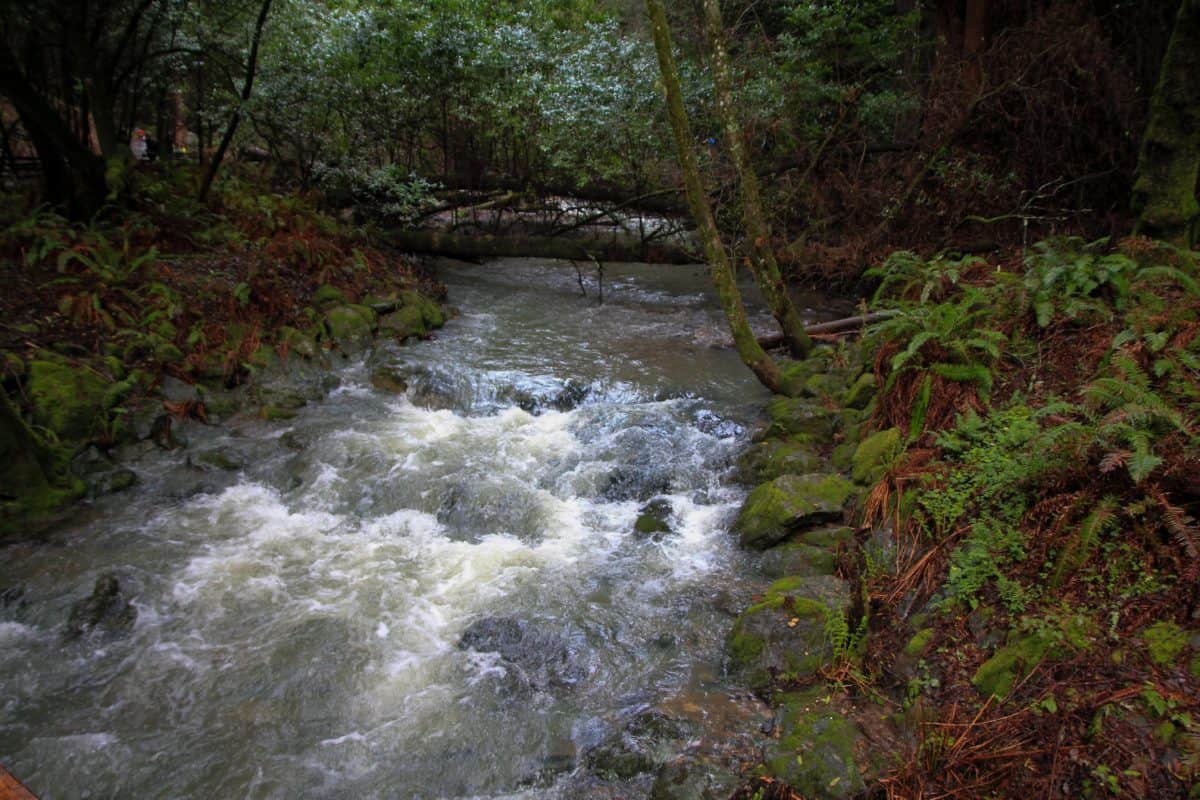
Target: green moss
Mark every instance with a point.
(274, 413)
(404, 322)
(296, 342)
(790, 416)
(1165, 641)
(919, 643)
(431, 313)
(327, 296)
(787, 504)
(768, 460)
(873, 456)
(798, 558)
(861, 392)
(815, 753)
(648, 524)
(68, 400)
(997, 676)
(350, 324)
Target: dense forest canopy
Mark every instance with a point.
(968, 122)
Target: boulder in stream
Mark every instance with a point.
(107, 609)
(541, 658)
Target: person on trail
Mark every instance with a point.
(139, 145)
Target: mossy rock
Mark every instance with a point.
(790, 503)
(790, 416)
(68, 400)
(919, 643)
(874, 455)
(404, 322)
(431, 313)
(798, 558)
(829, 538)
(783, 637)
(768, 460)
(654, 518)
(1010, 664)
(861, 392)
(1165, 642)
(351, 324)
(417, 316)
(389, 379)
(328, 296)
(815, 753)
(297, 342)
(276, 413)
(264, 357)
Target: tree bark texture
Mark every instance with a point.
(764, 266)
(1164, 195)
(744, 341)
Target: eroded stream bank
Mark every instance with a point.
(430, 583)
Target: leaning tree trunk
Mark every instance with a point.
(235, 120)
(722, 272)
(765, 267)
(1164, 195)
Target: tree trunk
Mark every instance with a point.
(722, 273)
(251, 68)
(1164, 195)
(764, 266)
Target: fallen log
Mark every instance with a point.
(565, 248)
(844, 325)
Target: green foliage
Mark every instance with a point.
(1129, 416)
(1077, 280)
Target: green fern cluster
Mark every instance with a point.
(1077, 280)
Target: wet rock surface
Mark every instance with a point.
(541, 658)
(107, 610)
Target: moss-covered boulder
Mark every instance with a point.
(798, 558)
(416, 316)
(788, 504)
(351, 324)
(327, 297)
(31, 483)
(68, 400)
(389, 378)
(790, 416)
(873, 456)
(298, 342)
(772, 458)
(815, 753)
(783, 637)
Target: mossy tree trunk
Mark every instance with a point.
(1164, 195)
(744, 341)
(764, 265)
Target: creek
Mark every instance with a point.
(301, 606)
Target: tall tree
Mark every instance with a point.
(1164, 195)
(723, 278)
(236, 118)
(764, 266)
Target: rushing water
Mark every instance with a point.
(299, 619)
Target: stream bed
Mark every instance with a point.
(430, 593)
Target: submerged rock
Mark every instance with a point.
(654, 518)
(646, 742)
(541, 658)
(106, 609)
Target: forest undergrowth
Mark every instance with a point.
(1039, 622)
